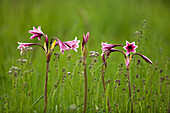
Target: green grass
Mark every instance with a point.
(107, 21)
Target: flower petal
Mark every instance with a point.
(53, 45)
(144, 57)
(127, 61)
(87, 36)
(62, 46)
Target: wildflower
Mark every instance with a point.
(107, 49)
(130, 47)
(36, 33)
(62, 46)
(48, 48)
(106, 46)
(73, 44)
(23, 46)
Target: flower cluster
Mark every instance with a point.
(37, 33)
(130, 48)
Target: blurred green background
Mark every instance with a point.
(112, 21)
(109, 21)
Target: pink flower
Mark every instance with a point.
(144, 57)
(36, 33)
(85, 39)
(23, 46)
(130, 47)
(73, 44)
(106, 46)
(107, 49)
(62, 46)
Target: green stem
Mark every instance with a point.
(37, 100)
(130, 90)
(85, 88)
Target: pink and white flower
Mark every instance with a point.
(48, 47)
(106, 46)
(36, 33)
(73, 44)
(23, 46)
(62, 46)
(130, 47)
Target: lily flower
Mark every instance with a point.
(36, 33)
(130, 47)
(23, 46)
(107, 49)
(106, 46)
(73, 44)
(62, 46)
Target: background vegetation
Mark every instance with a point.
(109, 21)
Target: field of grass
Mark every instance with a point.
(110, 21)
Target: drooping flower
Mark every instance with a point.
(106, 46)
(73, 44)
(107, 49)
(130, 47)
(36, 33)
(23, 46)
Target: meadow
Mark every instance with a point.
(115, 22)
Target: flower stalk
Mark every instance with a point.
(84, 55)
(45, 90)
(104, 88)
(85, 88)
(130, 91)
